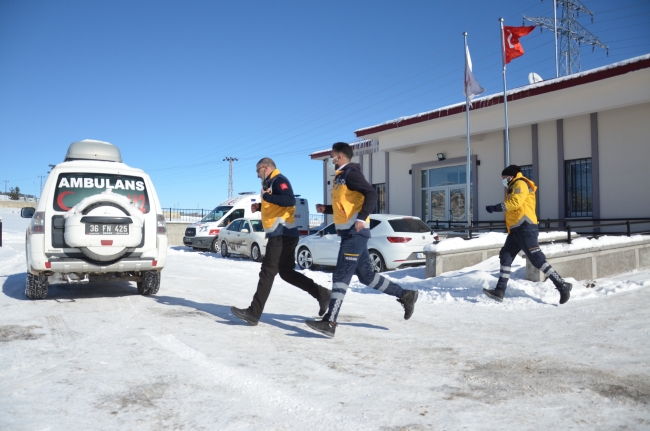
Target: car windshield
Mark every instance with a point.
(216, 214)
(409, 225)
(257, 226)
(72, 187)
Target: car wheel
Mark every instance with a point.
(224, 249)
(214, 247)
(305, 259)
(36, 286)
(256, 253)
(150, 283)
(377, 261)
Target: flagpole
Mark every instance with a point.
(468, 199)
(557, 71)
(505, 97)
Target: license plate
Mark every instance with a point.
(420, 255)
(106, 229)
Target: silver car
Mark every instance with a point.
(396, 241)
(243, 236)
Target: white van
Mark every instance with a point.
(97, 220)
(204, 234)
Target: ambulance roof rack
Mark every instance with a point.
(89, 149)
(247, 193)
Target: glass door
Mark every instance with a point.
(457, 204)
(439, 204)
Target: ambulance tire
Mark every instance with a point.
(214, 247)
(36, 286)
(150, 283)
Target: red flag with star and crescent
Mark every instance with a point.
(512, 47)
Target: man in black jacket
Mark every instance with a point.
(278, 207)
(353, 199)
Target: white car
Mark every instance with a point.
(97, 220)
(396, 241)
(243, 236)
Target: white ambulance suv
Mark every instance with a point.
(204, 234)
(97, 220)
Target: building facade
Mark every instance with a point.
(584, 139)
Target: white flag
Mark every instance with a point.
(472, 87)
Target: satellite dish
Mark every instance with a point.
(534, 78)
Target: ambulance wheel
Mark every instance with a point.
(224, 249)
(150, 283)
(256, 253)
(36, 286)
(377, 261)
(214, 247)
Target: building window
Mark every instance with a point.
(380, 207)
(579, 189)
(527, 171)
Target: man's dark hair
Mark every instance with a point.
(343, 148)
(266, 161)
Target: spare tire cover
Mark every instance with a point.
(111, 213)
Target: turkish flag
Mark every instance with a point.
(513, 48)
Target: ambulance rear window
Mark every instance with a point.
(71, 188)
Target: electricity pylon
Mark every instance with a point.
(570, 33)
(230, 160)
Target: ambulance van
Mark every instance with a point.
(97, 220)
(204, 234)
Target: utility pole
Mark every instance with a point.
(571, 34)
(6, 181)
(41, 189)
(230, 160)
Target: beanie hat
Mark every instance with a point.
(511, 171)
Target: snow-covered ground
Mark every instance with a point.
(103, 357)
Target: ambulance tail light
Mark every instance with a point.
(161, 224)
(398, 239)
(37, 224)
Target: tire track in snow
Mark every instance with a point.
(303, 415)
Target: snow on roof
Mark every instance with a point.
(497, 98)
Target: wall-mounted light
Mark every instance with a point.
(441, 157)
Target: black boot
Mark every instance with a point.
(408, 299)
(496, 294)
(324, 299)
(245, 315)
(323, 326)
(565, 292)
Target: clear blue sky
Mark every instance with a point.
(179, 85)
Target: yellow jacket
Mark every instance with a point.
(520, 202)
(281, 211)
(347, 204)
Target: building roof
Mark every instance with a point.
(356, 147)
(550, 85)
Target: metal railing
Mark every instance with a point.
(591, 228)
(316, 220)
(181, 214)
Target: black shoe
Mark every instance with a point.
(323, 326)
(244, 315)
(324, 300)
(408, 299)
(565, 292)
(496, 294)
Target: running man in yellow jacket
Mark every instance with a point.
(353, 199)
(523, 231)
(278, 207)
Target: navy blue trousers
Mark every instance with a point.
(354, 259)
(524, 238)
